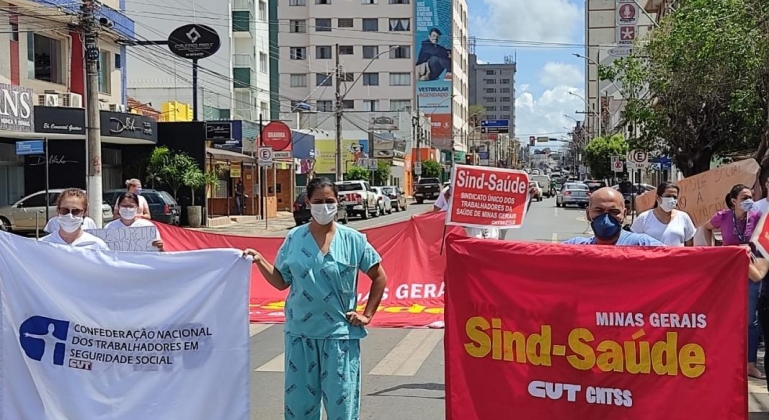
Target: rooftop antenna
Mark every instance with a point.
(472, 45)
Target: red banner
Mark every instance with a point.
(555, 332)
(411, 257)
(482, 197)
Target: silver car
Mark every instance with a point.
(573, 194)
(28, 214)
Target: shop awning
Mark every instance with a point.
(220, 154)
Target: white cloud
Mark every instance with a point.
(555, 74)
(546, 114)
(530, 20)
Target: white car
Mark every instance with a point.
(383, 201)
(28, 214)
(538, 195)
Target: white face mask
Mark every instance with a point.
(323, 213)
(69, 223)
(668, 204)
(127, 213)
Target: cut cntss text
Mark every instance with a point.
(507, 184)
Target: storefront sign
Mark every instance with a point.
(16, 108)
(219, 131)
(131, 126)
(194, 41)
(59, 120)
(277, 136)
(383, 122)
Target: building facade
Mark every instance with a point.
(234, 83)
(492, 86)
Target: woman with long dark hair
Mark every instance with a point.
(128, 209)
(737, 224)
(664, 222)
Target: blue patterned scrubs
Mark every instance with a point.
(322, 356)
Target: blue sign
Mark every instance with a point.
(662, 163)
(495, 123)
(30, 147)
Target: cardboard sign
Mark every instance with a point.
(486, 197)
(702, 195)
(136, 239)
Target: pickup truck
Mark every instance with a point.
(427, 189)
(359, 198)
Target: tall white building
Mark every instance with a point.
(234, 83)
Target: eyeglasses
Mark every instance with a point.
(63, 211)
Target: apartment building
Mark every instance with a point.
(373, 41)
(492, 86)
(42, 90)
(234, 83)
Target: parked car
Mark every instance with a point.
(544, 183)
(28, 214)
(383, 200)
(163, 207)
(303, 215)
(359, 198)
(397, 197)
(594, 184)
(573, 194)
(427, 189)
(538, 194)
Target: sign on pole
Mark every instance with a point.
(265, 156)
(637, 159)
(418, 168)
(30, 147)
(370, 164)
(616, 164)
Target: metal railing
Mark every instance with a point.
(244, 60)
(238, 5)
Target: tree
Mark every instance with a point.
(691, 91)
(157, 160)
(431, 169)
(357, 173)
(476, 114)
(169, 168)
(195, 179)
(598, 154)
(382, 173)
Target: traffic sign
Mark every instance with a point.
(616, 164)
(626, 35)
(495, 126)
(370, 164)
(277, 136)
(281, 155)
(627, 14)
(30, 147)
(265, 156)
(418, 168)
(638, 159)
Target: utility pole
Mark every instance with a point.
(338, 112)
(93, 123)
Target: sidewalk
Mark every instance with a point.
(249, 226)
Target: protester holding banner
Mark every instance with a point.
(71, 207)
(737, 224)
(319, 262)
(128, 211)
(135, 186)
(664, 223)
(606, 213)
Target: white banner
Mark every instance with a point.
(113, 335)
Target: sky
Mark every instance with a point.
(543, 35)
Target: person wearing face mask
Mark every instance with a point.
(71, 208)
(606, 212)
(664, 223)
(319, 262)
(737, 224)
(128, 209)
(134, 186)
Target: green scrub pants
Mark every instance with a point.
(324, 370)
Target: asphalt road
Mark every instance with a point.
(403, 369)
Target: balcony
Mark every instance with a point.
(244, 61)
(245, 5)
(243, 78)
(243, 24)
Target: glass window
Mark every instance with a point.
(346, 50)
(400, 25)
(399, 1)
(490, 72)
(369, 1)
(400, 105)
(105, 71)
(348, 104)
(298, 53)
(370, 79)
(297, 26)
(264, 108)
(370, 51)
(400, 51)
(322, 1)
(371, 105)
(344, 23)
(325, 106)
(298, 80)
(297, 2)
(371, 25)
(323, 52)
(400, 79)
(263, 63)
(262, 11)
(44, 61)
(323, 79)
(37, 200)
(322, 25)
(347, 77)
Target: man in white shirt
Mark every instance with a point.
(762, 206)
(442, 204)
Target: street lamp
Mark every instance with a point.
(587, 105)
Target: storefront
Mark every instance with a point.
(16, 119)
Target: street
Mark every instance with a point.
(403, 369)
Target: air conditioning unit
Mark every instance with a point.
(72, 100)
(103, 106)
(117, 107)
(48, 99)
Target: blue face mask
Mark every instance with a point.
(605, 226)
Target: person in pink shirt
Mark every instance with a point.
(737, 224)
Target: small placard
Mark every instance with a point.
(136, 239)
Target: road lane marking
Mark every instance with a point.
(275, 365)
(555, 212)
(254, 329)
(409, 355)
(554, 239)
